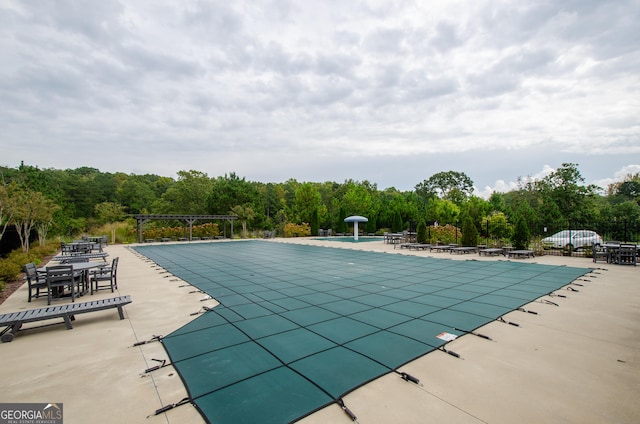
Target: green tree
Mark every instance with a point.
(29, 209)
(626, 190)
(521, 234)
(469, 233)
(443, 211)
(397, 225)
(314, 223)
(244, 213)
(497, 226)
(7, 209)
(357, 199)
(451, 185)
(188, 195)
(136, 194)
(307, 202)
(565, 187)
(231, 190)
(342, 226)
(421, 232)
(110, 213)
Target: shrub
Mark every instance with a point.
(444, 234)
(9, 271)
(297, 230)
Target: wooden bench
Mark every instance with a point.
(14, 320)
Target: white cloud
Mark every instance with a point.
(619, 175)
(172, 82)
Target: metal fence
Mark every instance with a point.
(499, 235)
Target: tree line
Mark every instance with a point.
(66, 203)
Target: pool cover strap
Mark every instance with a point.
(171, 406)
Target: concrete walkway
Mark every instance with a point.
(578, 362)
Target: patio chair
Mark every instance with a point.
(107, 274)
(35, 281)
(59, 277)
(627, 254)
(601, 253)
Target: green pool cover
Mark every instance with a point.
(298, 327)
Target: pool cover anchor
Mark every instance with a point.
(501, 319)
(201, 311)
(409, 377)
(482, 336)
(171, 406)
(528, 311)
(163, 363)
(450, 352)
(151, 340)
(347, 411)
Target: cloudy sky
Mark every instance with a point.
(386, 91)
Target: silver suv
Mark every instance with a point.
(572, 239)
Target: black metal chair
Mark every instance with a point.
(107, 274)
(35, 280)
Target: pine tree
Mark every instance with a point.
(521, 234)
(469, 233)
(314, 224)
(421, 232)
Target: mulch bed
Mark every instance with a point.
(9, 288)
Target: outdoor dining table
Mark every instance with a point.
(82, 267)
(613, 253)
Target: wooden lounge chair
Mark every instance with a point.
(491, 251)
(521, 254)
(14, 320)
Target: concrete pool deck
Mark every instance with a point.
(576, 362)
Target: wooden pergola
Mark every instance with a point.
(189, 219)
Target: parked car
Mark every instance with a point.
(572, 239)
